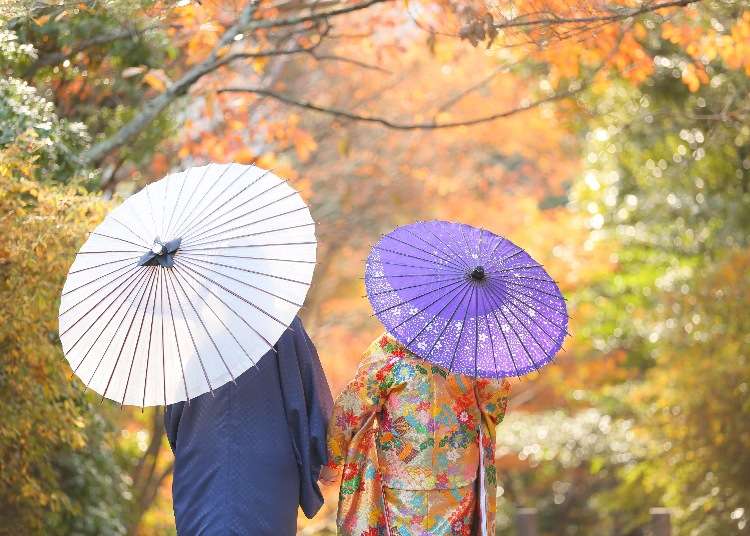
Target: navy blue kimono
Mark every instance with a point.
(248, 457)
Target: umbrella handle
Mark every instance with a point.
(482, 491)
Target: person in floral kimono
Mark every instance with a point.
(416, 445)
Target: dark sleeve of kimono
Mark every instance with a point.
(172, 415)
(306, 401)
(307, 404)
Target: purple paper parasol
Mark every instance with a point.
(466, 299)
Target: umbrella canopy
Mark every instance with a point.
(187, 284)
(466, 299)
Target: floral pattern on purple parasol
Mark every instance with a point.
(466, 299)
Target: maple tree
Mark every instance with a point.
(608, 139)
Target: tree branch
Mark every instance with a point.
(343, 59)
(291, 21)
(553, 20)
(343, 114)
(156, 105)
(278, 51)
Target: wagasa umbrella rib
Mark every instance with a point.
(193, 246)
(531, 335)
(386, 263)
(177, 343)
(440, 336)
(452, 292)
(376, 313)
(157, 285)
(455, 278)
(253, 246)
(268, 343)
(186, 226)
(537, 311)
(472, 289)
(176, 203)
(264, 274)
(499, 287)
(451, 252)
(120, 278)
(139, 237)
(191, 237)
(407, 255)
(449, 262)
(518, 337)
(194, 225)
(526, 287)
(505, 338)
(135, 282)
(252, 258)
(216, 283)
(179, 274)
(181, 217)
(95, 266)
(143, 283)
(186, 258)
(221, 259)
(97, 278)
(101, 300)
(201, 216)
(137, 341)
(198, 316)
(457, 264)
(190, 332)
(205, 239)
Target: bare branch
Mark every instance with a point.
(358, 63)
(433, 125)
(291, 21)
(553, 20)
(245, 22)
(344, 114)
(156, 105)
(266, 54)
(471, 89)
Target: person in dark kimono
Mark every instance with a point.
(247, 457)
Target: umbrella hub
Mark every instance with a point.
(477, 274)
(161, 253)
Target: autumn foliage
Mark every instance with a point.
(610, 139)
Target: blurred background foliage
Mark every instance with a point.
(609, 139)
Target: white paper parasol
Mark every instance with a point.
(187, 284)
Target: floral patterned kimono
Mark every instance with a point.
(417, 447)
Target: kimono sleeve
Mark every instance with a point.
(172, 415)
(307, 405)
(493, 396)
(360, 399)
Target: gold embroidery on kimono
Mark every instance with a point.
(417, 447)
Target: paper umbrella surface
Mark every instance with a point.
(187, 284)
(466, 299)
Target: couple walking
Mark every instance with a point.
(411, 439)
(195, 277)
(411, 444)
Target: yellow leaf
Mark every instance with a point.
(157, 79)
(344, 146)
